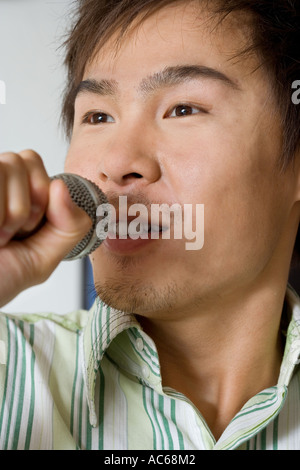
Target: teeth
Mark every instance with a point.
(120, 228)
(123, 229)
(154, 228)
(144, 228)
(137, 230)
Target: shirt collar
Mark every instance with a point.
(263, 408)
(105, 324)
(291, 357)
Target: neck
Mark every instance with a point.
(225, 354)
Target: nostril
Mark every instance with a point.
(132, 175)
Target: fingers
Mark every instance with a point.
(28, 195)
(24, 187)
(65, 226)
(39, 183)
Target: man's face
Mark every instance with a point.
(174, 119)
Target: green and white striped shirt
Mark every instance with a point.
(91, 380)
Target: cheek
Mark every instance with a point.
(80, 159)
(242, 217)
(244, 200)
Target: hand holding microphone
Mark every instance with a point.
(86, 195)
(42, 221)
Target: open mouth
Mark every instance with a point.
(128, 237)
(126, 233)
(133, 229)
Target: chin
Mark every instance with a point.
(136, 297)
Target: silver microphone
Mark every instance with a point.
(88, 197)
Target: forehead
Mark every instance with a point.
(180, 32)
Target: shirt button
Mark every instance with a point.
(145, 371)
(139, 344)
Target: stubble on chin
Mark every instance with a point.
(136, 296)
(129, 292)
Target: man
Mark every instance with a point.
(175, 102)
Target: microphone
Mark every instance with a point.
(88, 197)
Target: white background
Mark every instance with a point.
(31, 32)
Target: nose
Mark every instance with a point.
(129, 161)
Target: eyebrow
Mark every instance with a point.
(169, 76)
(97, 87)
(179, 74)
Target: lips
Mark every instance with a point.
(132, 235)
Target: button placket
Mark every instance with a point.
(145, 371)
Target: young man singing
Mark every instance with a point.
(168, 102)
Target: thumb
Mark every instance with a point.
(66, 224)
(65, 219)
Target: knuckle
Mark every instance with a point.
(12, 160)
(30, 155)
(39, 178)
(20, 159)
(17, 214)
(9, 156)
(5, 155)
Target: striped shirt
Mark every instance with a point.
(91, 380)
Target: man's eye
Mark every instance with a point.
(184, 110)
(94, 118)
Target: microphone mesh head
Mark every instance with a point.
(88, 197)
